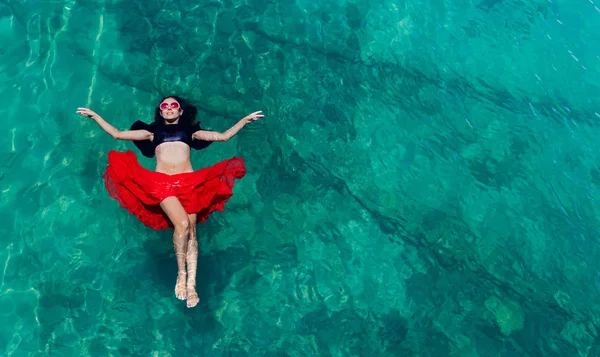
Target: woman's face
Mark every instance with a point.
(170, 109)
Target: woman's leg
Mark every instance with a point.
(192, 263)
(179, 217)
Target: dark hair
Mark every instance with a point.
(189, 111)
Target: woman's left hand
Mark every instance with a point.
(254, 116)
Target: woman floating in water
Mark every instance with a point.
(174, 195)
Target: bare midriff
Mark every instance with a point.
(173, 158)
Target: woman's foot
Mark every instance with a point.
(180, 290)
(192, 297)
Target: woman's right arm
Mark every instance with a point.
(114, 132)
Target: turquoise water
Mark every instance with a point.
(425, 182)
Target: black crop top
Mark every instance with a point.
(167, 133)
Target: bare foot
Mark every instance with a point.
(180, 290)
(192, 297)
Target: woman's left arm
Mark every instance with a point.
(208, 135)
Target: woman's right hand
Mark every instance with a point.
(87, 112)
(254, 116)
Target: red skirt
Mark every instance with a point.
(140, 190)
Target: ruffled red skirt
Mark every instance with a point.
(140, 190)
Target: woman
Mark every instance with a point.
(174, 195)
